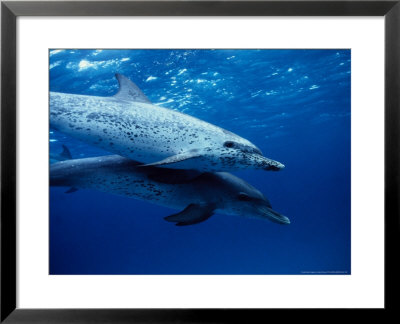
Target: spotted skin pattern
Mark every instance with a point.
(148, 133)
(219, 192)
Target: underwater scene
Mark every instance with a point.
(200, 161)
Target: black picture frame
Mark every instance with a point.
(10, 10)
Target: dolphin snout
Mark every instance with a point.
(283, 220)
(276, 166)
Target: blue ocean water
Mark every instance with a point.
(293, 104)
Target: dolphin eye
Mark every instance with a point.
(243, 197)
(229, 144)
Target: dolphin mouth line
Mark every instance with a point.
(275, 216)
(283, 220)
(277, 166)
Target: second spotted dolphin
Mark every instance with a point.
(128, 124)
(198, 195)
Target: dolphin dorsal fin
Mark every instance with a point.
(66, 154)
(129, 91)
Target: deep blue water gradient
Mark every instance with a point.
(293, 104)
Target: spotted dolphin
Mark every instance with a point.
(128, 124)
(198, 195)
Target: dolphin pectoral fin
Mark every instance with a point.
(192, 214)
(129, 91)
(71, 190)
(175, 158)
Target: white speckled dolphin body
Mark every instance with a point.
(129, 125)
(197, 194)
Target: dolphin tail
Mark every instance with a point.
(71, 190)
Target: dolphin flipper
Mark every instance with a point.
(192, 214)
(66, 154)
(175, 158)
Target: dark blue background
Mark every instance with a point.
(293, 104)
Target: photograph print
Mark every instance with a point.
(199, 161)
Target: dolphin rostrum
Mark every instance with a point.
(128, 124)
(198, 195)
